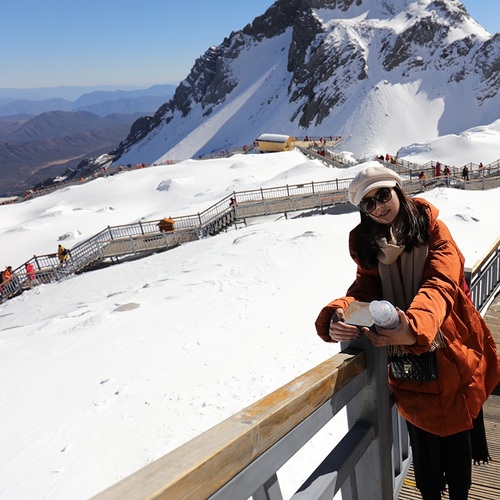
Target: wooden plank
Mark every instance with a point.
(485, 477)
(203, 465)
(137, 244)
(492, 318)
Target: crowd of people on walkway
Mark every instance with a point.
(438, 169)
(30, 279)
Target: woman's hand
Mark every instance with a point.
(339, 330)
(402, 335)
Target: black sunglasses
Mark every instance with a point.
(368, 205)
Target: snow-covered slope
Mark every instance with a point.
(104, 372)
(476, 145)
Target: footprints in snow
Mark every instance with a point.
(110, 398)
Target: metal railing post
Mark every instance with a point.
(373, 477)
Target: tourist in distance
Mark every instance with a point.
(62, 254)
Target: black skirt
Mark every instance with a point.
(446, 462)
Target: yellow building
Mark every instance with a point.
(275, 142)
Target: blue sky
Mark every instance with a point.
(54, 43)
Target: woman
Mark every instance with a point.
(405, 255)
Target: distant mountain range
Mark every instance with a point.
(46, 146)
(41, 139)
(100, 102)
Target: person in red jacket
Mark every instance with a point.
(406, 255)
(30, 271)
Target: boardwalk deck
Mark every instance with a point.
(485, 478)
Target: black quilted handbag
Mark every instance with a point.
(415, 368)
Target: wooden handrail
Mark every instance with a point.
(480, 262)
(203, 465)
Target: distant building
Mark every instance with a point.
(275, 142)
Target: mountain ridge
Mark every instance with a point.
(35, 149)
(102, 102)
(346, 67)
(42, 139)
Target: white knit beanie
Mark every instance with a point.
(371, 178)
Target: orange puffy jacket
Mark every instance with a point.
(469, 366)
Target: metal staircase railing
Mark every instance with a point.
(116, 243)
(483, 278)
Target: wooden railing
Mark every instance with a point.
(240, 457)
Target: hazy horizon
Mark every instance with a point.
(141, 47)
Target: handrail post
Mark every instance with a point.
(374, 476)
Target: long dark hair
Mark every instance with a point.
(410, 229)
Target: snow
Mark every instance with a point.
(273, 137)
(109, 370)
(476, 145)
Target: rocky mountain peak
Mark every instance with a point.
(320, 63)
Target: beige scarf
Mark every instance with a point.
(400, 284)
